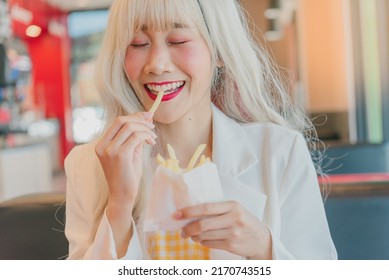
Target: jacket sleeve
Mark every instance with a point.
(303, 231)
(87, 228)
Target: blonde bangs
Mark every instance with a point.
(162, 15)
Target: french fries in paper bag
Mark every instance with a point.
(174, 188)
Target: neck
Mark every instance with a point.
(188, 133)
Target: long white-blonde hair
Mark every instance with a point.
(246, 86)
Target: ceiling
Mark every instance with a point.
(75, 5)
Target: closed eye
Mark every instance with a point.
(138, 45)
(177, 42)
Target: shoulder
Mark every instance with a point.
(80, 152)
(255, 132)
(276, 145)
(267, 133)
(85, 177)
(265, 140)
(81, 162)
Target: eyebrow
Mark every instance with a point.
(175, 25)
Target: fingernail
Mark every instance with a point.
(148, 115)
(177, 215)
(151, 125)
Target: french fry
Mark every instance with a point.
(161, 160)
(157, 102)
(176, 166)
(195, 156)
(202, 161)
(172, 162)
(169, 164)
(172, 153)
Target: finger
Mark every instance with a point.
(212, 235)
(218, 244)
(207, 224)
(205, 209)
(120, 121)
(216, 239)
(127, 130)
(120, 131)
(126, 151)
(135, 140)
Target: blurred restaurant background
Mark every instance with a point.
(335, 53)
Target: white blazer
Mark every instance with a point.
(265, 167)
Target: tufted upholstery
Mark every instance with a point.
(359, 224)
(32, 228)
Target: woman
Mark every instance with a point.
(219, 89)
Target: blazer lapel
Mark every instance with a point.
(234, 158)
(231, 150)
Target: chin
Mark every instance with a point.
(166, 119)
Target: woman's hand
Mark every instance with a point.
(227, 226)
(120, 154)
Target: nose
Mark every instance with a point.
(159, 61)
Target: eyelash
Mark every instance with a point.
(178, 43)
(170, 43)
(138, 45)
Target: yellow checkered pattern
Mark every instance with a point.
(169, 245)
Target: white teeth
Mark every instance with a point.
(166, 87)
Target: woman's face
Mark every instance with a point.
(177, 62)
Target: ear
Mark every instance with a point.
(219, 63)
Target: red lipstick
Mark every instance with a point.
(166, 97)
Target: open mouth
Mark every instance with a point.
(170, 90)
